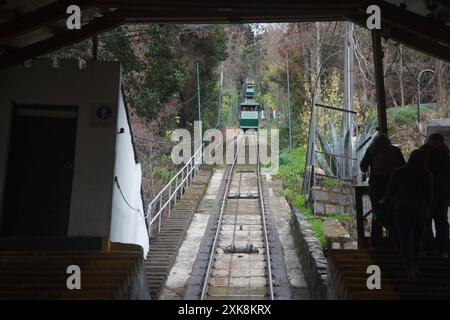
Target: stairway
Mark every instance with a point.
(347, 277)
(163, 250)
(38, 274)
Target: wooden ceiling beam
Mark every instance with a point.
(8, 14)
(66, 38)
(412, 23)
(212, 16)
(38, 18)
(412, 40)
(330, 5)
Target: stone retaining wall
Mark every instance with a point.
(329, 200)
(311, 256)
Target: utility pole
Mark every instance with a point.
(348, 90)
(278, 113)
(198, 94)
(220, 98)
(289, 101)
(379, 80)
(199, 136)
(348, 76)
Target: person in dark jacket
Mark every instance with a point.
(410, 190)
(437, 160)
(382, 158)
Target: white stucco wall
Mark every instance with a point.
(127, 222)
(98, 83)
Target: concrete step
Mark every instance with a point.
(347, 269)
(164, 248)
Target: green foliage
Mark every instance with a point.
(339, 146)
(164, 72)
(162, 171)
(158, 63)
(317, 228)
(208, 48)
(341, 217)
(315, 222)
(116, 46)
(406, 115)
(329, 182)
(332, 161)
(291, 172)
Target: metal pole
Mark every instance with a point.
(348, 92)
(149, 220)
(182, 183)
(176, 188)
(418, 97)
(379, 80)
(310, 152)
(220, 98)
(160, 214)
(198, 93)
(289, 100)
(170, 197)
(198, 139)
(95, 48)
(348, 75)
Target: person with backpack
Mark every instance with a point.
(382, 158)
(437, 160)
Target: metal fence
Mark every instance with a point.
(161, 205)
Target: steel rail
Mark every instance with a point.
(219, 224)
(263, 217)
(218, 230)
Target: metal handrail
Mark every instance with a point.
(187, 173)
(335, 155)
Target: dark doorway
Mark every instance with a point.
(40, 172)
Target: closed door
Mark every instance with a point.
(40, 172)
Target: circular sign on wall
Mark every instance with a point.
(104, 112)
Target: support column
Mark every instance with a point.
(379, 80)
(348, 78)
(95, 48)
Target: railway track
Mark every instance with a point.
(239, 264)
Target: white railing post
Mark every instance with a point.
(170, 197)
(182, 183)
(149, 221)
(160, 214)
(176, 190)
(187, 176)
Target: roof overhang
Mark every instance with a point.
(28, 30)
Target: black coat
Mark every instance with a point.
(438, 162)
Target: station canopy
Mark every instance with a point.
(32, 28)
